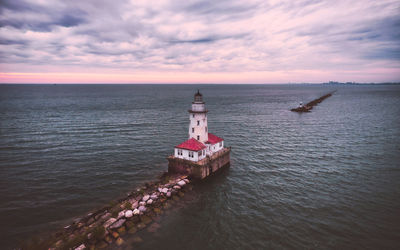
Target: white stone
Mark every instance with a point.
(81, 247)
(160, 190)
(154, 197)
(146, 197)
(181, 183)
(142, 203)
(121, 214)
(136, 211)
(109, 222)
(118, 224)
(135, 205)
(142, 209)
(150, 201)
(177, 187)
(164, 190)
(186, 180)
(168, 194)
(105, 216)
(128, 214)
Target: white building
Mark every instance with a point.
(200, 143)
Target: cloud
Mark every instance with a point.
(25, 15)
(201, 36)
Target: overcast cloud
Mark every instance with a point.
(267, 41)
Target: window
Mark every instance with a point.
(198, 123)
(179, 151)
(192, 130)
(198, 137)
(220, 144)
(191, 154)
(200, 152)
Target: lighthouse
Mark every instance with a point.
(203, 153)
(198, 119)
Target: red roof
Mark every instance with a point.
(212, 139)
(191, 144)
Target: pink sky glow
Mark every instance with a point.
(199, 41)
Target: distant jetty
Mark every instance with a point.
(310, 105)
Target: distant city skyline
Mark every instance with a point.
(310, 41)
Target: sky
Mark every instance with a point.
(191, 41)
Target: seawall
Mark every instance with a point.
(202, 168)
(310, 105)
(106, 227)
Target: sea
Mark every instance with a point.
(328, 179)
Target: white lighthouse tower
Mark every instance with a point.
(203, 153)
(198, 128)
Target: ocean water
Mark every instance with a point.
(329, 179)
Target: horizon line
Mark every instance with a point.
(202, 83)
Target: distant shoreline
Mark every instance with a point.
(290, 83)
(356, 83)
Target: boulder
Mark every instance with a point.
(136, 211)
(121, 230)
(108, 239)
(181, 183)
(153, 227)
(135, 204)
(120, 241)
(109, 222)
(142, 203)
(140, 226)
(133, 230)
(146, 197)
(145, 219)
(90, 221)
(121, 214)
(164, 190)
(59, 243)
(115, 234)
(128, 214)
(186, 180)
(142, 209)
(153, 197)
(129, 224)
(137, 239)
(177, 187)
(81, 247)
(169, 194)
(150, 201)
(160, 189)
(105, 216)
(118, 223)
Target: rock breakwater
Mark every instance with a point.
(310, 105)
(107, 226)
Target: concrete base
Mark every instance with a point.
(200, 169)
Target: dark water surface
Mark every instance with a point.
(329, 179)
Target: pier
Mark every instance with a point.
(107, 227)
(310, 105)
